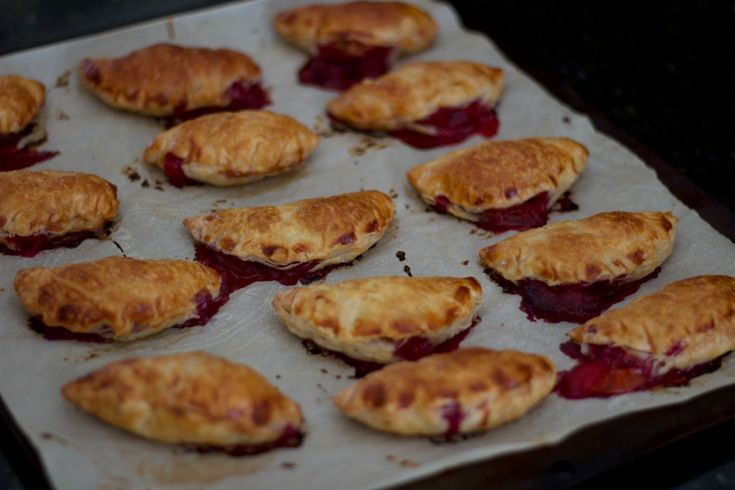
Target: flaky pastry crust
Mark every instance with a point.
(686, 323)
(188, 398)
(232, 148)
(331, 230)
(162, 79)
(415, 90)
(20, 100)
(54, 202)
(413, 398)
(393, 24)
(366, 318)
(118, 298)
(500, 174)
(604, 247)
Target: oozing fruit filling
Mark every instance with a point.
(206, 308)
(173, 167)
(238, 273)
(339, 66)
(29, 246)
(13, 157)
(605, 371)
(291, 437)
(240, 95)
(409, 349)
(453, 414)
(568, 302)
(529, 214)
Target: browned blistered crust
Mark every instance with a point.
(115, 297)
(603, 247)
(187, 398)
(686, 323)
(415, 90)
(230, 148)
(162, 78)
(393, 24)
(489, 387)
(20, 100)
(333, 229)
(54, 202)
(500, 174)
(366, 318)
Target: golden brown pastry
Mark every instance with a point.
(414, 91)
(20, 100)
(498, 175)
(464, 391)
(662, 339)
(49, 204)
(381, 319)
(118, 298)
(192, 398)
(393, 24)
(164, 79)
(330, 230)
(232, 148)
(604, 247)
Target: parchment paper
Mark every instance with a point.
(80, 452)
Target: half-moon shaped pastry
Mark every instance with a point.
(354, 40)
(425, 104)
(179, 82)
(50, 209)
(21, 100)
(299, 241)
(195, 399)
(118, 298)
(574, 270)
(231, 148)
(663, 339)
(501, 185)
(378, 320)
(464, 391)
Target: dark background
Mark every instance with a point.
(657, 75)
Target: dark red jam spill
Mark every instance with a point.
(568, 302)
(174, 170)
(207, 307)
(529, 214)
(337, 66)
(410, 349)
(241, 95)
(29, 246)
(453, 414)
(606, 371)
(237, 274)
(14, 158)
(291, 437)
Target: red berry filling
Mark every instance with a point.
(207, 307)
(174, 170)
(291, 437)
(453, 414)
(606, 371)
(529, 214)
(338, 66)
(568, 302)
(14, 158)
(237, 274)
(29, 246)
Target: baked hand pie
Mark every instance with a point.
(351, 41)
(231, 148)
(118, 298)
(574, 270)
(203, 402)
(299, 241)
(176, 82)
(468, 390)
(378, 320)
(51, 209)
(663, 339)
(501, 185)
(21, 100)
(425, 104)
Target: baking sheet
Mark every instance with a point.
(80, 452)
